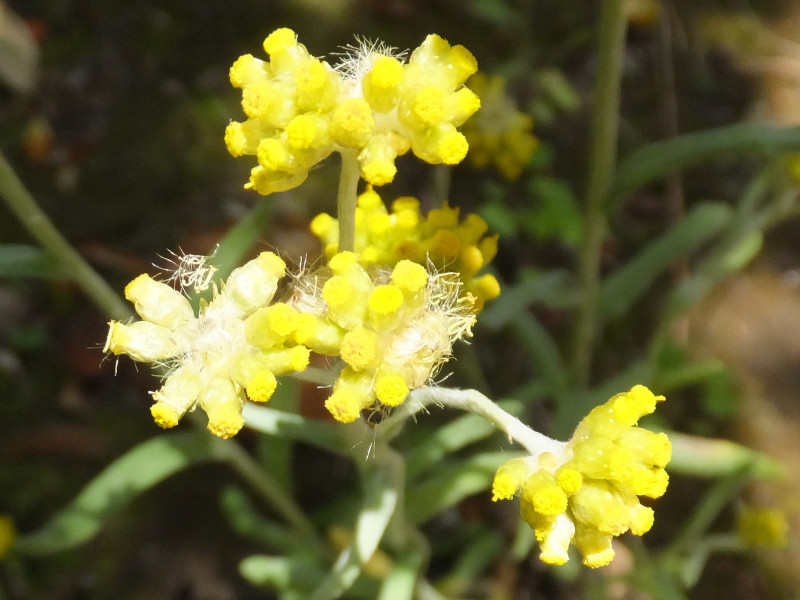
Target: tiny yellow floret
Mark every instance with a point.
(409, 276)
(359, 348)
(391, 389)
(279, 40)
(338, 291)
(385, 299)
(352, 123)
(452, 147)
(261, 387)
(509, 478)
(164, 415)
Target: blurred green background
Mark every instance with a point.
(116, 128)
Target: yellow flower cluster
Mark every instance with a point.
(499, 134)
(393, 330)
(300, 109)
(587, 493)
(385, 238)
(232, 350)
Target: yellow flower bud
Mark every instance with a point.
(158, 303)
(352, 123)
(390, 388)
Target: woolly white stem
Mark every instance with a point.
(475, 402)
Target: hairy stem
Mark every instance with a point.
(474, 402)
(602, 160)
(41, 228)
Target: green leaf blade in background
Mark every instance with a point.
(132, 474)
(628, 284)
(23, 261)
(233, 247)
(452, 482)
(658, 159)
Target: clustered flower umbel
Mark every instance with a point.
(385, 238)
(390, 321)
(301, 109)
(393, 329)
(586, 491)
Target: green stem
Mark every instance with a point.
(41, 228)
(347, 199)
(382, 479)
(266, 486)
(442, 177)
(602, 160)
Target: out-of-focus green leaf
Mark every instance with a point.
(496, 12)
(483, 551)
(241, 237)
(453, 436)
(248, 523)
(401, 583)
(130, 475)
(558, 89)
(730, 256)
(382, 482)
(658, 159)
(282, 572)
(293, 426)
(500, 218)
(705, 457)
(451, 482)
(543, 351)
(556, 289)
(20, 260)
(556, 214)
(619, 292)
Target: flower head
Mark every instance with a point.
(229, 352)
(588, 492)
(449, 243)
(499, 134)
(393, 329)
(300, 109)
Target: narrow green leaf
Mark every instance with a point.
(657, 160)
(295, 427)
(495, 12)
(136, 471)
(241, 237)
(628, 284)
(282, 572)
(556, 214)
(452, 482)
(704, 457)
(247, 522)
(382, 481)
(20, 260)
(540, 346)
(453, 436)
(556, 288)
